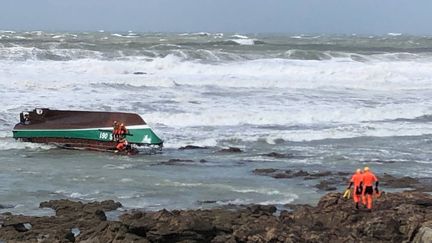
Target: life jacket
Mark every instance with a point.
(357, 179)
(115, 130)
(122, 145)
(369, 178)
(123, 130)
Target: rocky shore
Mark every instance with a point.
(396, 217)
(330, 181)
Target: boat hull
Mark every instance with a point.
(82, 129)
(138, 134)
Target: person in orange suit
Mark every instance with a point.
(357, 181)
(122, 145)
(115, 131)
(368, 180)
(123, 130)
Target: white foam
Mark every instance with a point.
(11, 144)
(265, 191)
(245, 42)
(7, 31)
(349, 96)
(240, 36)
(77, 195)
(179, 184)
(201, 34)
(257, 73)
(246, 201)
(118, 167)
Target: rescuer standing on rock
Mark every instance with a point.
(357, 181)
(368, 180)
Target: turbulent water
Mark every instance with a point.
(332, 102)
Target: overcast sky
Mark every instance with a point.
(242, 16)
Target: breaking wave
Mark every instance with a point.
(198, 80)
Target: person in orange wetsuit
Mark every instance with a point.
(368, 180)
(115, 131)
(357, 181)
(122, 130)
(122, 145)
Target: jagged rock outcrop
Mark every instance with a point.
(396, 217)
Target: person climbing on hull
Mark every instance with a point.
(122, 145)
(123, 131)
(115, 132)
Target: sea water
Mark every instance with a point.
(333, 103)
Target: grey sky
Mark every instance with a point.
(243, 16)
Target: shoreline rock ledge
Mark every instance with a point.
(396, 217)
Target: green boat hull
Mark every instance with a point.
(137, 134)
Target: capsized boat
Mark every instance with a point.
(90, 130)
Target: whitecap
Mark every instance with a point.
(77, 195)
(11, 144)
(240, 36)
(126, 180)
(394, 34)
(120, 167)
(244, 42)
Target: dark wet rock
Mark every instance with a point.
(279, 155)
(231, 150)
(69, 215)
(378, 161)
(206, 201)
(424, 202)
(299, 173)
(139, 73)
(396, 217)
(275, 173)
(2, 206)
(177, 162)
(65, 207)
(292, 207)
(341, 178)
(70, 237)
(321, 174)
(391, 181)
(262, 209)
(341, 173)
(417, 184)
(21, 227)
(281, 175)
(326, 186)
(189, 147)
(265, 171)
(278, 174)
